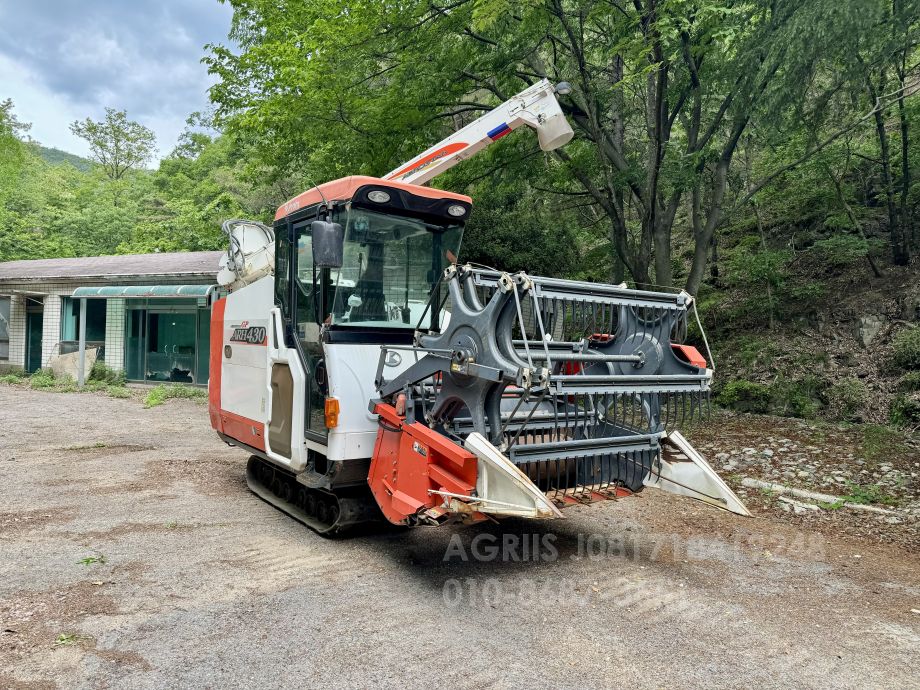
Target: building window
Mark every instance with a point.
(95, 321)
(4, 328)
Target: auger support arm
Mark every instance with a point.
(535, 106)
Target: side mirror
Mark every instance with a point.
(328, 244)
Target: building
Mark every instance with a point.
(149, 312)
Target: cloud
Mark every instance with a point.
(63, 60)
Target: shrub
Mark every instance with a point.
(745, 396)
(164, 392)
(102, 372)
(906, 353)
(119, 392)
(905, 410)
(910, 382)
(43, 378)
(842, 250)
(846, 398)
(799, 397)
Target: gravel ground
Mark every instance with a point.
(132, 556)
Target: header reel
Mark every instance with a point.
(574, 382)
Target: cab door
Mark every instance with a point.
(299, 295)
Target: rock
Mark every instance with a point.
(868, 328)
(767, 452)
(722, 456)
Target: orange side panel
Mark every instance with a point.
(216, 362)
(409, 461)
(243, 429)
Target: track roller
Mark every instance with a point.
(325, 512)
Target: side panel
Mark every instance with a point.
(243, 354)
(352, 368)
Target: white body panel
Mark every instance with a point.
(245, 388)
(352, 369)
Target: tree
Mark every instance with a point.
(662, 93)
(117, 144)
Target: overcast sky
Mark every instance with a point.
(64, 60)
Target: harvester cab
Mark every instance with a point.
(368, 371)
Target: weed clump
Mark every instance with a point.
(906, 354)
(163, 392)
(745, 396)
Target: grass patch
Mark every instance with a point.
(14, 377)
(745, 396)
(905, 410)
(906, 353)
(92, 560)
(101, 380)
(867, 494)
(65, 639)
(100, 444)
(162, 393)
(847, 398)
(880, 442)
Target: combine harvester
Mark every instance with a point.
(367, 371)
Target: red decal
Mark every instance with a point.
(431, 158)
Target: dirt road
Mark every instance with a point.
(132, 556)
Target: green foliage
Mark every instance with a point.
(799, 397)
(867, 494)
(119, 392)
(906, 352)
(164, 392)
(847, 398)
(14, 377)
(842, 250)
(43, 379)
(67, 639)
(103, 373)
(910, 382)
(92, 560)
(879, 442)
(745, 396)
(905, 410)
(57, 157)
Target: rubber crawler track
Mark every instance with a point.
(326, 513)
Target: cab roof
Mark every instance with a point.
(345, 188)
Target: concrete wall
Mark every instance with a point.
(115, 333)
(17, 331)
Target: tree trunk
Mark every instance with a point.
(900, 251)
(661, 236)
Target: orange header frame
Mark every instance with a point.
(344, 189)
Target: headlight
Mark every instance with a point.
(378, 196)
(456, 210)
